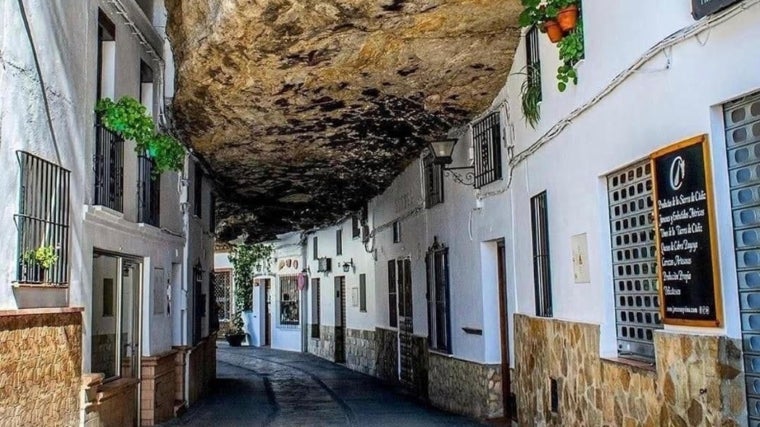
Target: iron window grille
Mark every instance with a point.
(223, 294)
(42, 219)
(317, 301)
(541, 262)
(198, 191)
(392, 295)
(433, 176)
(338, 242)
(533, 59)
(363, 293)
(108, 165)
(289, 300)
(315, 248)
(148, 192)
(634, 260)
(486, 136)
(439, 319)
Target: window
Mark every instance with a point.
(338, 242)
(42, 221)
(146, 87)
(198, 190)
(392, 292)
(439, 320)
(148, 192)
(212, 213)
(315, 247)
(433, 177)
(223, 293)
(486, 136)
(363, 293)
(316, 301)
(541, 268)
(396, 232)
(200, 303)
(106, 57)
(634, 259)
(356, 231)
(289, 300)
(533, 59)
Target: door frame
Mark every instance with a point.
(401, 296)
(506, 375)
(341, 318)
(267, 312)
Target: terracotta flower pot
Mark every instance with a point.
(553, 30)
(567, 18)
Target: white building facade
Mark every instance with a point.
(134, 251)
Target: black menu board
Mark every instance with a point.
(684, 224)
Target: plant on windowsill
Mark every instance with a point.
(570, 53)
(235, 334)
(38, 261)
(130, 120)
(530, 96)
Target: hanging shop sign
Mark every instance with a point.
(689, 278)
(702, 8)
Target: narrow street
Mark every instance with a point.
(263, 387)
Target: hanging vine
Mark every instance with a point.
(246, 261)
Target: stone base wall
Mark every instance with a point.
(386, 362)
(110, 404)
(158, 388)
(324, 346)
(696, 381)
(40, 367)
(361, 352)
(465, 387)
(199, 362)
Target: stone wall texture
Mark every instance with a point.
(158, 388)
(201, 368)
(696, 381)
(465, 387)
(324, 346)
(361, 351)
(386, 364)
(40, 367)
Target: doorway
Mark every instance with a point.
(340, 319)
(267, 312)
(405, 321)
(508, 398)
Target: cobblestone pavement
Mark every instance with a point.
(264, 387)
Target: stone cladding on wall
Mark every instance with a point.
(465, 387)
(697, 380)
(386, 362)
(361, 351)
(324, 346)
(158, 388)
(40, 367)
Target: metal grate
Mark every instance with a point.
(486, 136)
(533, 59)
(439, 319)
(148, 192)
(742, 119)
(42, 219)
(223, 294)
(634, 260)
(541, 262)
(289, 300)
(108, 166)
(433, 176)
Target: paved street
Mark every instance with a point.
(263, 387)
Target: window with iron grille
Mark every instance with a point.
(392, 293)
(533, 59)
(439, 319)
(541, 265)
(223, 293)
(315, 247)
(316, 301)
(198, 191)
(148, 192)
(42, 220)
(433, 176)
(338, 242)
(634, 260)
(363, 292)
(289, 300)
(109, 169)
(486, 136)
(356, 230)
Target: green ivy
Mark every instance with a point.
(246, 260)
(129, 119)
(571, 51)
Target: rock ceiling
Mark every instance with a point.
(305, 109)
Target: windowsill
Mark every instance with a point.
(39, 311)
(109, 211)
(636, 365)
(40, 285)
(441, 353)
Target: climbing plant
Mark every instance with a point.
(570, 53)
(246, 261)
(130, 120)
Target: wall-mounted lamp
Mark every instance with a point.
(442, 150)
(348, 265)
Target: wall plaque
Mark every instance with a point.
(702, 8)
(687, 261)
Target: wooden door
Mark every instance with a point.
(340, 319)
(405, 323)
(268, 313)
(508, 399)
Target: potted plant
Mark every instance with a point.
(235, 334)
(571, 51)
(39, 261)
(542, 16)
(567, 14)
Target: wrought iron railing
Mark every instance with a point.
(486, 135)
(148, 192)
(108, 165)
(42, 221)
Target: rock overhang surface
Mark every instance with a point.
(306, 109)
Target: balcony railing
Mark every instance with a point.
(108, 165)
(148, 192)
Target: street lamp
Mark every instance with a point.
(442, 150)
